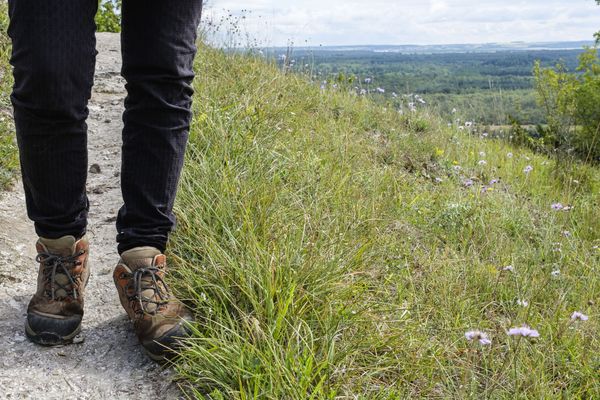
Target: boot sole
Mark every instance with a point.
(50, 338)
(167, 353)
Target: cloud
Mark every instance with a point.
(336, 22)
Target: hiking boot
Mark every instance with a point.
(159, 319)
(55, 311)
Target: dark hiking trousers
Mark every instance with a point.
(53, 58)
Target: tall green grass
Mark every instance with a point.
(335, 249)
(8, 150)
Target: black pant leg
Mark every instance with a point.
(158, 45)
(53, 58)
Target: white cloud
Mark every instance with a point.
(334, 22)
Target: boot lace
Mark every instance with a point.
(147, 278)
(53, 265)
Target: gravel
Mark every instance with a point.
(107, 362)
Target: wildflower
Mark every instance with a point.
(566, 233)
(461, 128)
(368, 80)
(439, 180)
(577, 316)
(394, 95)
(522, 303)
(457, 168)
(557, 206)
(523, 331)
(482, 153)
(468, 182)
(363, 92)
(528, 169)
(454, 111)
(509, 268)
(556, 273)
(509, 155)
(485, 134)
(468, 124)
(481, 337)
(482, 162)
(567, 208)
(494, 181)
(380, 90)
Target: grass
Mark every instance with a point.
(332, 249)
(8, 149)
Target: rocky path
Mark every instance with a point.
(109, 363)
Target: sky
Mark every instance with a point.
(395, 22)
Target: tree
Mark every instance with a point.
(108, 18)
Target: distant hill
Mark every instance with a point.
(451, 48)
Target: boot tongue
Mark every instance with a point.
(64, 246)
(139, 257)
(143, 257)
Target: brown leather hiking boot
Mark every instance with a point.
(159, 319)
(55, 311)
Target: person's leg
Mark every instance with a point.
(53, 58)
(158, 46)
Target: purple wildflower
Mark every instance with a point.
(528, 169)
(577, 316)
(481, 337)
(523, 331)
(557, 207)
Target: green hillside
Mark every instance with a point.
(335, 249)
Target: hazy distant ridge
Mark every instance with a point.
(456, 48)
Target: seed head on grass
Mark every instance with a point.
(522, 303)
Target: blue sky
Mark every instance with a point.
(339, 22)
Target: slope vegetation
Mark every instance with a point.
(336, 249)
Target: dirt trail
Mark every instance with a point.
(109, 364)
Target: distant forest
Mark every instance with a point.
(486, 87)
